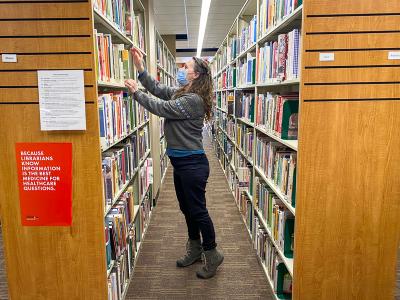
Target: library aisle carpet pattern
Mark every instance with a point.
(156, 276)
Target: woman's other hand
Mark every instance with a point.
(131, 85)
(138, 59)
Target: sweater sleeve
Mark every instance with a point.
(186, 107)
(159, 90)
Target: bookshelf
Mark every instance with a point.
(321, 202)
(79, 261)
(166, 74)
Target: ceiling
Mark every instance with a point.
(170, 19)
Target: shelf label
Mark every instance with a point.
(45, 183)
(326, 56)
(9, 58)
(394, 55)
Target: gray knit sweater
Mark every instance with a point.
(184, 115)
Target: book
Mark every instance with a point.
(278, 60)
(278, 114)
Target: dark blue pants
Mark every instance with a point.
(190, 179)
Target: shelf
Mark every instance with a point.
(246, 122)
(165, 152)
(120, 192)
(139, 247)
(287, 261)
(283, 26)
(143, 124)
(292, 144)
(221, 109)
(244, 155)
(111, 85)
(104, 25)
(226, 90)
(165, 71)
(246, 87)
(119, 141)
(144, 157)
(249, 49)
(279, 83)
(230, 138)
(276, 190)
(110, 269)
(249, 196)
(271, 285)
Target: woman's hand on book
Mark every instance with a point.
(131, 85)
(138, 59)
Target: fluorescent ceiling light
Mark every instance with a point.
(205, 7)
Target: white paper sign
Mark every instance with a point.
(9, 58)
(326, 56)
(394, 55)
(62, 100)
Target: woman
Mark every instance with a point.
(184, 110)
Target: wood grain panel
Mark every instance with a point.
(317, 7)
(56, 27)
(374, 91)
(31, 78)
(74, 61)
(32, 94)
(31, 45)
(350, 75)
(352, 41)
(359, 23)
(54, 262)
(352, 58)
(44, 10)
(347, 229)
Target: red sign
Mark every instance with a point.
(45, 183)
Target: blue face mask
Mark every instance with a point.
(181, 77)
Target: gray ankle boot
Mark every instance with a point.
(193, 253)
(212, 259)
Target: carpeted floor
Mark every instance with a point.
(156, 276)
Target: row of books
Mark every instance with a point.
(143, 140)
(244, 106)
(123, 267)
(163, 165)
(164, 59)
(143, 114)
(279, 219)
(280, 278)
(117, 115)
(247, 33)
(118, 168)
(230, 128)
(118, 221)
(245, 139)
(232, 48)
(279, 165)
(112, 60)
(246, 70)
(222, 101)
(272, 12)
(146, 177)
(278, 114)
(138, 31)
(246, 209)
(162, 126)
(118, 12)
(279, 60)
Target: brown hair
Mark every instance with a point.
(202, 85)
